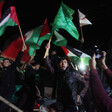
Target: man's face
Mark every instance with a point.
(53, 53)
(36, 67)
(6, 63)
(63, 64)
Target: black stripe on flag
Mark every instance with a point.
(6, 13)
(77, 53)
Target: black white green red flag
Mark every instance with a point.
(9, 18)
(76, 55)
(58, 39)
(36, 36)
(32, 38)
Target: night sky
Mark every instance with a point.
(32, 13)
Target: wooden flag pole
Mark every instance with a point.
(10, 104)
(20, 30)
(47, 48)
(21, 35)
(82, 38)
(36, 46)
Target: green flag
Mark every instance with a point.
(59, 39)
(63, 20)
(32, 38)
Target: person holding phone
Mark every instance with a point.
(102, 101)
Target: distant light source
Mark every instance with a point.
(81, 66)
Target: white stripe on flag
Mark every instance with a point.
(28, 35)
(83, 20)
(4, 20)
(83, 54)
(70, 54)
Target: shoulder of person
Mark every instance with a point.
(73, 71)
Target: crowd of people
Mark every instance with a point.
(73, 89)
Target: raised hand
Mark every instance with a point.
(102, 62)
(24, 47)
(92, 62)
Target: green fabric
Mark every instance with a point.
(1, 58)
(63, 20)
(85, 60)
(76, 60)
(33, 38)
(15, 98)
(10, 22)
(60, 40)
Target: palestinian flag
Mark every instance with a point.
(13, 47)
(9, 18)
(36, 36)
(76, 55)
(1, 6)
(58, 39)
(45, 29)
(31, 38)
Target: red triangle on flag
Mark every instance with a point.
(13, 49)
(45, 29)
(14, 15)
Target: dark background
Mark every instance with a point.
(32, 13)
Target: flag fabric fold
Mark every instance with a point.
(38, 34)
(83, 20)
(9, 18)
(76, 55)
(13, 49)
(45, 29)
(59, 39)
(63, 20)
(31, 38)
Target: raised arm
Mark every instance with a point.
(47, 59)
(18, 58)
(26, 63)
(107, 72)
(101, 99)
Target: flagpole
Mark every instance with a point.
(36, 45)
(10, 104)
(21, 34)
(82, 38)
(20, 31)
(47, 48)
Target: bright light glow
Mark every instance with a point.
(81, 66)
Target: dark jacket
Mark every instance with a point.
(102, 100)
(8, 78)
(108, 75)
(67, 84)
(27, 94)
